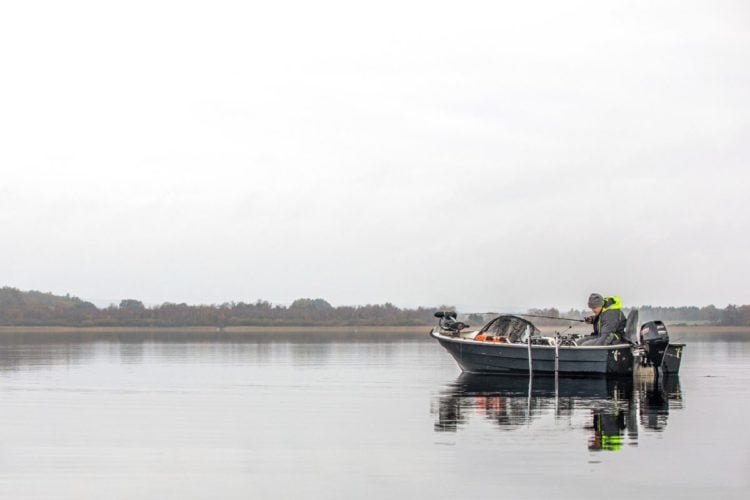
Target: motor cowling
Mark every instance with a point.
(447, 321)
(654, 340)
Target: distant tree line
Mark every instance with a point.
(20, 308)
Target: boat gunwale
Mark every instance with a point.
(439, 336)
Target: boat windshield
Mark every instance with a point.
(513, 328)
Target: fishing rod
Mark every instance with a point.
(540, 316)
(551, 317)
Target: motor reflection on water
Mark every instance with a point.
(617, 408)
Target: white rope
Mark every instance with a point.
(528, 343)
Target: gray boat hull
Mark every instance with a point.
(486, 357)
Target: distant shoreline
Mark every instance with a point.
(237, 330)
(251, 330)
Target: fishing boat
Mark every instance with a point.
(513, 344)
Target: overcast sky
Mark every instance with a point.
(491, 155)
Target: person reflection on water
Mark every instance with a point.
(608, 430)
(608, 320)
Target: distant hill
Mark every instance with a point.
(14, 296)
(37, 308)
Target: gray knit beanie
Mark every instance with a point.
(596, 300)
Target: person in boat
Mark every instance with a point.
(608, 320)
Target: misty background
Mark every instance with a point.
(489, 155)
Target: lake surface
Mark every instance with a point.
(361, 416)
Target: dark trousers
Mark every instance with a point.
(598, 340)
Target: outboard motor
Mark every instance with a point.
(654, 340)
(447, 321)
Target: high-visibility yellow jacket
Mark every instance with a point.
(611, 319)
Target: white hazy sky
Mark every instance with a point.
(485, 154)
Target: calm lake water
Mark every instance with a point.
(389, 416)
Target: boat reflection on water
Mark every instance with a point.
(611, 410)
